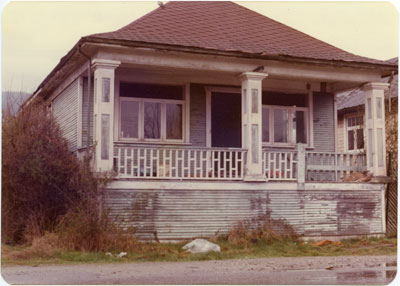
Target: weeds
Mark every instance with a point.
(261, 229)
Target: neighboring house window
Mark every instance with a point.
(355, 133)
(282, 125)
(151, 112)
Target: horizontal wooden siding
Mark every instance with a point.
(65, 111)
(184, 214)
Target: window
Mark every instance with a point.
(354, 133)
(151, 112)
(284, 125)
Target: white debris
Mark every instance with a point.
(109, 254)
(122, 254)
(201, 246)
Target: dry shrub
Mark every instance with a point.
(38, 174)
(41, 247)
(83, 229)
(45, 188)
(265, 229)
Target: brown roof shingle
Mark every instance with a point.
(226, 26)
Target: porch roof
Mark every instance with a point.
(228, 27)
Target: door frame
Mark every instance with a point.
(209, 90)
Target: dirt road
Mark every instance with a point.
(300, 270)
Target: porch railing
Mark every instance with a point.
(280, 165)
(198, 163)
(333, 166)
(179, 163)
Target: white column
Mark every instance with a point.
(104, 81)
(252, 124)
(375, 127)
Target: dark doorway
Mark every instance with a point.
(226, 120)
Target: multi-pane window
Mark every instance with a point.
(151, 113)
(283, 125)
(355, 133)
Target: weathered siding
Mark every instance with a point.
(177, 214)
(197, 115)
(324, 122)
(342, 213)
(65, 111)
(85, 102)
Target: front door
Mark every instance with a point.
(226, 120)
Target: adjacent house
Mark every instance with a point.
(210, 114)
(351, 135)
(351, 116)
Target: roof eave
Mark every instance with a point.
(387, 68)
(192, 49)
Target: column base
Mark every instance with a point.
(381, 179)
(255, 178)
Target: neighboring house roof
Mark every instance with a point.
(355, 98)
(226, 26)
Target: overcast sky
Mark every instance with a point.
(35, 35)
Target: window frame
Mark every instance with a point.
(354, 128)
(163, 113)
(291, 110)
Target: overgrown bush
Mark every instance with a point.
(38, 174)
(45, 188)
(261, 229)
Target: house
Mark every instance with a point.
(210, 114)
(351, 116)
(351, 136)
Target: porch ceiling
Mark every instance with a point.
(164, 75)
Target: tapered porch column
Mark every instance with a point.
(252, 124)
(375, 127)
(103, 112)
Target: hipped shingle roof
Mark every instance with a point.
(226, 26)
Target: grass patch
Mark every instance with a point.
(35, 254)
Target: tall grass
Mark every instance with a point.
(261, 229)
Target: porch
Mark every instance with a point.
(194, 125)
(230, 164)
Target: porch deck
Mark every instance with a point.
(199, 163)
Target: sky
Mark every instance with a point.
(35, 35)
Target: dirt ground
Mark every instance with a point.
(294, 270)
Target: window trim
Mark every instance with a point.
(347, 128)
(163, 111)
(290, 110)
